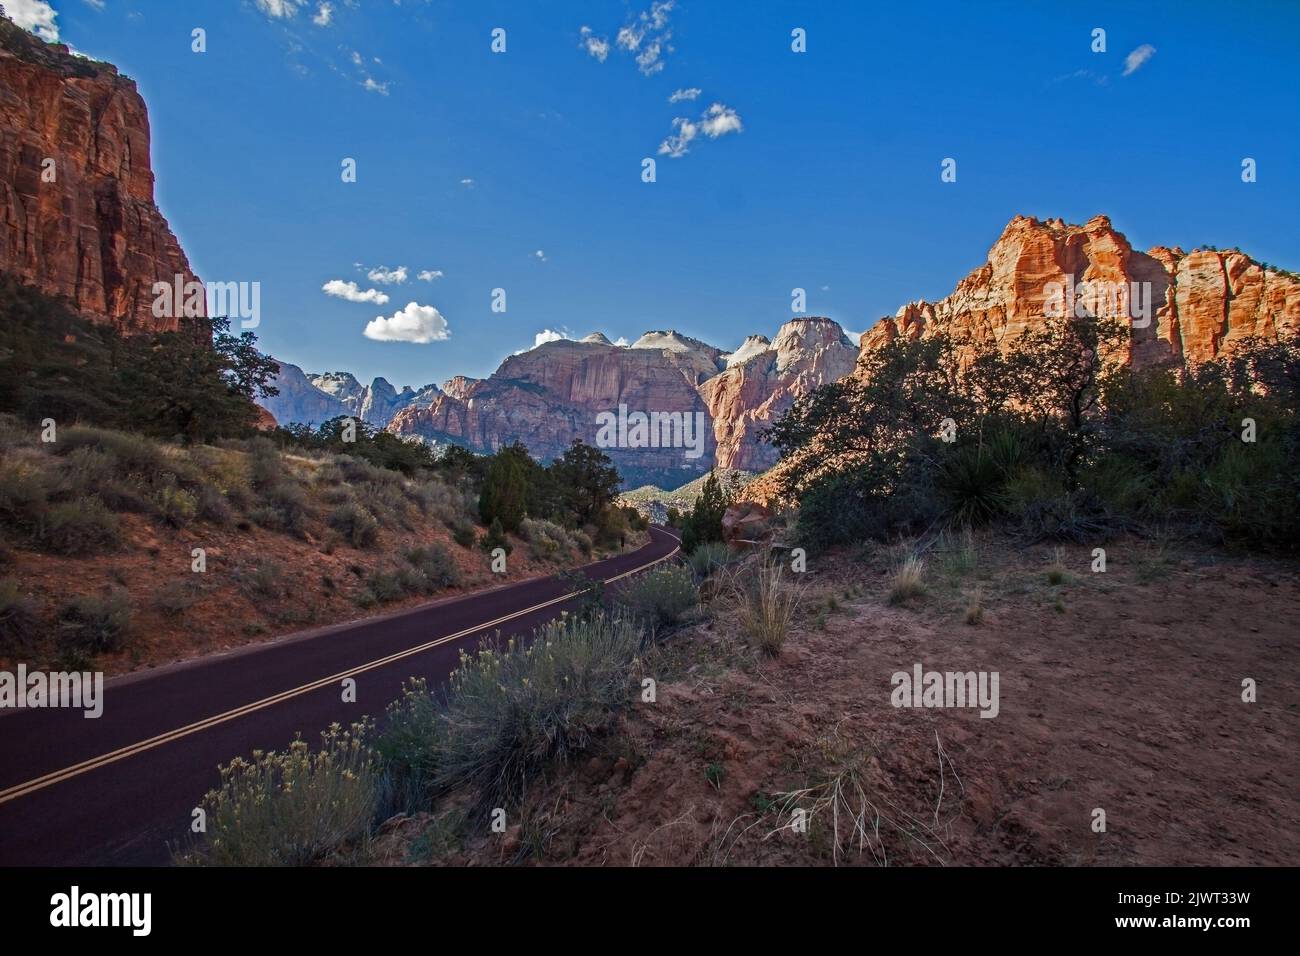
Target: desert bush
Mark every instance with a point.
(130, 453)
(91, 625)
(175, 506)
(18, 622)
(407, 748)
(463, 533)
(81, 526)
(512, 711)
(495, 538)
(546, 540)
(766, 607)
(708, 558)
(661, 596)
(264, 580)
(24, 496)
(177, 596)
(283, 508)
(355, 524)
(290, 808)
(435, 566)
(907, 581)
(213, 506)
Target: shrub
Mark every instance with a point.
(356, 524)
(18, 623)
(708, 558)
(176, 506)
(907, 581)
(767, 607)
(661, 596)
(510, 712)
(407, 748)
(92, 625)
(264, 580)
(435, 566)
(177, 596)
(80, 526)
(290, 808)
(463, 533)
(130, 453)
(496, 538)
(546, 540)
(24, 496)
(213, 506)
(283, 508)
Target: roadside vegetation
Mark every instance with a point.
(1049, 440)
(138, 499)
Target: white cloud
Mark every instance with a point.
(350, 291)
(372, 86)
(547, 335)
(428, 275)
(648, 37)
(1133, 62)
(596, 46)
(539, 256)
(416, 323)
(34, 15)
(467, 183)
(356, 57)
(386, 276)
(279, 9)
(97, 4)
(324, 15)
(717, 120)
(622, 341)
(678, 145)
(680, 95)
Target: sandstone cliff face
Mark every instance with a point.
(1201, 302)
(758, 389)
(94, 234)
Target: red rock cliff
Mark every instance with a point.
(94, 234)
(1200, 302)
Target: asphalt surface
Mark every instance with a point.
(115, 791)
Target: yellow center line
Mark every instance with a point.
(130, 750)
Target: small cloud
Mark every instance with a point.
(371, 85)
(324, 15)
(353, 293)
(356, 58)
(277, 9)
(467, 183)
(717, 120)
(826, 288)
(539, 256)
(1134, 61)
(97, 4)
(386, 276)
(596, 46)
(428, 275)
(648, 37)
(680, 95)
(420, 324)
(36, 16)
(622, 341)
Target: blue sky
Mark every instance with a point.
(831, 182)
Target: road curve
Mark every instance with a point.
(115, 790)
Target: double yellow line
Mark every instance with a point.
(67, 773)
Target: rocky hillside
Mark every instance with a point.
(553, 393)
(1200, 301)
(86, 226)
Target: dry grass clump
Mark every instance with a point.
(908, 581)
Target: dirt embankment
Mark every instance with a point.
(1119, 692)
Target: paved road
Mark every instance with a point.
(115, 790)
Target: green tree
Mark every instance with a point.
(504, 496)
(586, 480)
(704, 523)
